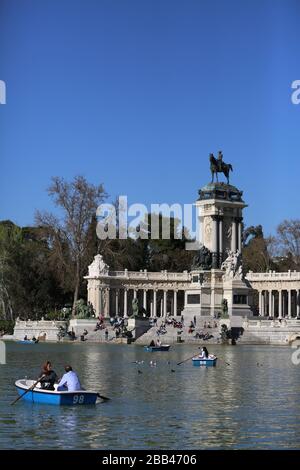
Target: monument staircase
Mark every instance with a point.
(171, 335)
(95, 336)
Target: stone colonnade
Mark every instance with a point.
(279, 303)
(159, 302)
(278, 293)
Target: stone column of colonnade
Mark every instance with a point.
(280, 303)
(236, 234)
(97, 297)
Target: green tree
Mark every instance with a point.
(28, 287)
(288, 238)
(256, 256)
(68, 235)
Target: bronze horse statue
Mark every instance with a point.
(218, 166)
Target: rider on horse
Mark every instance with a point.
(220, 160)
(218, 166)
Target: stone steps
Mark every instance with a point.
(99, 335)
(170, 337)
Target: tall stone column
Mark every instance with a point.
(233, 236)
(289, 303)
(165, 304)
(107, 303)
(220, 241)
(134, 293)
(298, 303)
(117, 301)
(239, 233)
(125, 303)
(175, 303)
(214, 242)
(100, 301)
(260, 303)
(145, 299)
(270, 304)
(280, 303)
(154, 303)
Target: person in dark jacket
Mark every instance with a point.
(48, 377)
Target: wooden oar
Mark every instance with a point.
(28, 390)
(102, 397)
(223, 361)
(178, 363)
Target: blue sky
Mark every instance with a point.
(136, 94)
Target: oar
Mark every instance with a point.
(102, 397)
(178, 363)
(28, 390)
(223, 361)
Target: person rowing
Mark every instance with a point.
(48, 377)
(69, 381)
(204, 353)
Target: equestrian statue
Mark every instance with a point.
(218, 166)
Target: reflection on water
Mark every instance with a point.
(250, 400)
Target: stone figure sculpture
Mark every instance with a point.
(135, 307)
(137, 310)
(218, 166)
(232, 266)
(98, 267)
(203, 259)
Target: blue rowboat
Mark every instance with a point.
(49, 397)
(162, 347)
(208, 362)
(27, 341)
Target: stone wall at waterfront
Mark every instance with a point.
(270, 332)
(138, 326)
(43, 329)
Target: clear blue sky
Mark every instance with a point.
(136, 94)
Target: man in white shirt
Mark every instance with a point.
(69, 381)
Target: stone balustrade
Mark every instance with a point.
(148, 275)
(273, 275)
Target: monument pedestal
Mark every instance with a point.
(217, 272)
(238, 296)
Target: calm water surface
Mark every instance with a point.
(252, 403)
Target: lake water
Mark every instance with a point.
(252, 403)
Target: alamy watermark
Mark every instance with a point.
(296, 354)
(2, 352)
(2, 92)
(135, 221)
(295, 97)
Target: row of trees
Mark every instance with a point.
(42, 267)
(279, 253)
